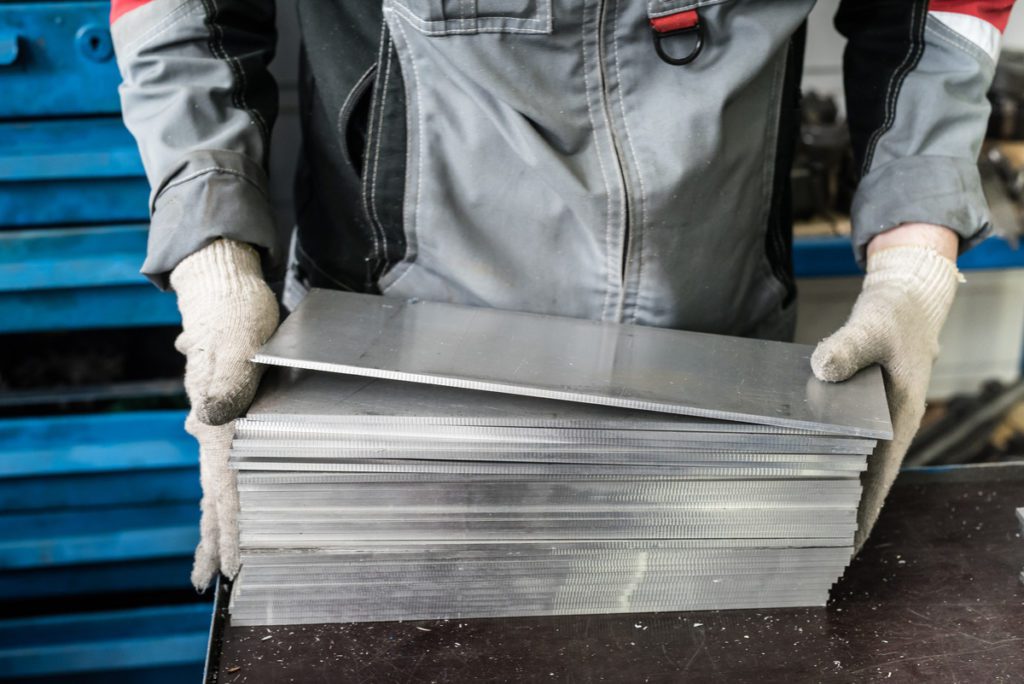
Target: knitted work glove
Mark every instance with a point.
(218, 522)
(895, 322)
(227, 312)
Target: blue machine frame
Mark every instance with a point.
(829, 257)
(73, 278)
(57, 58)
(95, 490)
(152, 645)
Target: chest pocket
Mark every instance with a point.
(460, 17)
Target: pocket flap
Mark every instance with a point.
(454, 17)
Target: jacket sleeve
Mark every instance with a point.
(916, 75)
(198, 98)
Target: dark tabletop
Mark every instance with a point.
(934, 596)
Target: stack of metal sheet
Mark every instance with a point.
(467, 462)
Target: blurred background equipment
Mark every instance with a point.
(823, 177)
(1007, 96)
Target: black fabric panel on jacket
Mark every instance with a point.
(238, 35)
(338, 61)
(885, 42)
(779, 234)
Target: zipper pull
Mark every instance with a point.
(674, 25)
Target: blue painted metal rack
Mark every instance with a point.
(818, 257)
(91, 504)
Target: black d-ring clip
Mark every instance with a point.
(676, 25)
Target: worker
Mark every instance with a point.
(618, 160)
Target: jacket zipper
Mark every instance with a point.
(616, 146)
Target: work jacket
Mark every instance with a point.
(621, 160)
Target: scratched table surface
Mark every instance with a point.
(934, 596)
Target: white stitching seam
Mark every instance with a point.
(374, 140)
(893, 90)
(238, 94)
(638, 231)
(410, 237)
(376, 163)
(604, 171)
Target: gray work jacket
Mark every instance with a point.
(541, 155)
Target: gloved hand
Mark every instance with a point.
(227, 313)
(895, 322)
(218, 522)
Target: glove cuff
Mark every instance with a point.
(222, 267)
(920, 272)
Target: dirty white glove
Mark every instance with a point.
(895, 322)
(218, 522)
(227, 313)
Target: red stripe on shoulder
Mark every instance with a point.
(121, 7)
(995, 12)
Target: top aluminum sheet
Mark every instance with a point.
(594, 362)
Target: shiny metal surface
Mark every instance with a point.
(328, 480)
(305, 529)
(700, 470)
(550, 496)
(460, 437)
(375, 580)
(273, 613)
(510, 596)
(263, 503)
(661, 458)
(259, 581)
(374, 551)
(285, 536)
(634, 367)
(367, 499)
(487, 592)
(439, 573)
(394, 590)
(368, 560)
(299, 397)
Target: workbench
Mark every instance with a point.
(934, 596)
